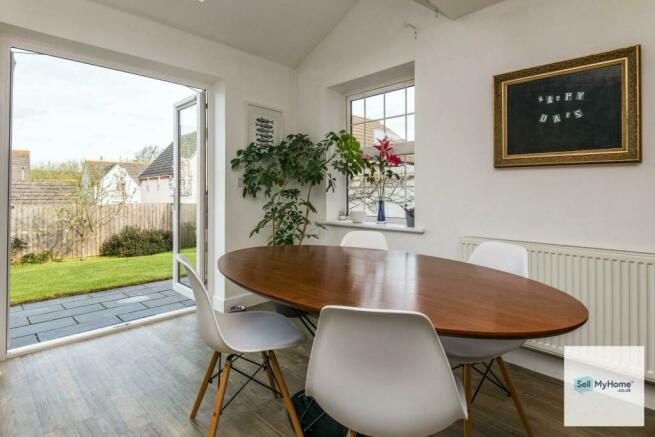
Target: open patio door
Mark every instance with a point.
(189, 182)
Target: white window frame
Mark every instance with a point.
(400, 148)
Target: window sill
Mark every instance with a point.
(389, 227)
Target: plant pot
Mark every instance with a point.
(410, 220)
(382, 218)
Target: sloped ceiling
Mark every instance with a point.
(284, 31)
(455, 9)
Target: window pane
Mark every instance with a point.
(394, 103)
(395, 128)
(359, 131)
(410, 100)
(375, 107)
(410, 128)
(385, 114)
(357, 110)
(374, 132)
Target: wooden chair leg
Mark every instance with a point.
(205, 383)
(285, 394)
(269, 372)
(468, 389)
(515, 395)
(225, 374)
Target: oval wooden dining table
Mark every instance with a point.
(460, 299)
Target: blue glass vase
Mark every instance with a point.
(382, 219)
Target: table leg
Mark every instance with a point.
(468, 388)
(515, 395)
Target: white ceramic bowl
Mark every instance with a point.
(357, 216)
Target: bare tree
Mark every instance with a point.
(147, 154)
(91, 205)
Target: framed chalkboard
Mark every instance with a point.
(580, 111)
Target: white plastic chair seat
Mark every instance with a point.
(505, 257)
(355, 375)
(365, 240)
(256, 331)
(473, 350)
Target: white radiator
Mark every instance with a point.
(617, 287)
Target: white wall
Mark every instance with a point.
(458, 190)
(157, 190)
(109, 185)
(121, 40)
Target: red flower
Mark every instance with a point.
(384, 147)
(393, 159)
(366, 155)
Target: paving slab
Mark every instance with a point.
(17, 321)
(123, 309)
(25, 340)
(39, 318)
(39, 310)
(143, 290)
(90, 325)
(151, 312)
(63, 316)
(98, 299)
(41, 327)
(132, 299)
(164, 301)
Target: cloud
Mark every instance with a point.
(65, 110)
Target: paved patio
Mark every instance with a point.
(55, 318)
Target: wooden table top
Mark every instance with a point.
(461, 299)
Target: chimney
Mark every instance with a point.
(20, 165)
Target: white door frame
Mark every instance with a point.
(199, 101)
(102, 58)
(5, 142)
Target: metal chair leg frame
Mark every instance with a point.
(491, 376)
(306, 321)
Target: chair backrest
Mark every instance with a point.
(510, 258)
(365, 239)
(207, 323)
(382, 373)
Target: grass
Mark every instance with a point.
(35, 282)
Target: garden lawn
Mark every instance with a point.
(35, 282)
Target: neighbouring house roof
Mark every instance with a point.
(98, 169)
(373, 128)
(33, 192)
(161, 166)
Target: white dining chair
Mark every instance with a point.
(365, 239)
(353, 380)
(235, 334)
(467, 352)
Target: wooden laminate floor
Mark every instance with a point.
(143, 381)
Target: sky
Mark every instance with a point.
(65, 110)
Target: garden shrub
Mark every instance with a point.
(37, 258)
(133, 241)
(17, 244)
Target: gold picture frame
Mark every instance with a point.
(545, 128)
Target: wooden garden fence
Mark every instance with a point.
(39, 228)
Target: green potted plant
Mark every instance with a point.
(286, 174)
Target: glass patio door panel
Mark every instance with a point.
(189, 227)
